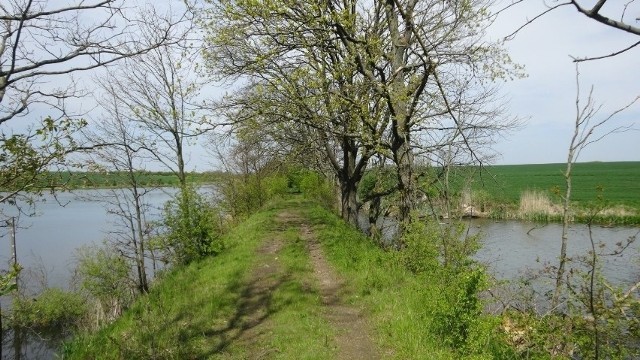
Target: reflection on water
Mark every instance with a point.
(30, 345)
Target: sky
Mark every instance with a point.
(546, 98)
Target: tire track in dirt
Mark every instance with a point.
(251, 323)
(352, 339)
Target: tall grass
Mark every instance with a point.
(535, 205)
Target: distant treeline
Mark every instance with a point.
(114, 179)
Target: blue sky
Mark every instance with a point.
(546, 98)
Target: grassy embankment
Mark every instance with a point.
(201, 311)
(533, 191)
(198, 311)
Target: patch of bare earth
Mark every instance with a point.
(352, 339)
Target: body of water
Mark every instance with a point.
(513, 248)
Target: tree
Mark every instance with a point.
(299, 74)
(357, 74)
(158, 90)
(40, 41)
(584, 133)
(429, 62)
(124, 153)
(42, 45)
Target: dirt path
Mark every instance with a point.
(251, 324)
(352, 337)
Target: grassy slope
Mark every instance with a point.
(177, 318)
(403, 307)
(618, 180)
(191, 313)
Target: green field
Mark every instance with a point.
(619, 181)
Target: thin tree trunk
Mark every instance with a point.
(142, 271)
(566, 207)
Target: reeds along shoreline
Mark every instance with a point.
(537, 206)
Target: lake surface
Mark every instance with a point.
(510, 249)
(46, 243)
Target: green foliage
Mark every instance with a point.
(276, 185)
(421, 307)
(105, 275)
(52, 309)
(461, 308)
(420, 253)
(8, 280)
(377, 180)
(316, 187)
(24, 158)
(193, 227)
(440, 254)
(243, 195)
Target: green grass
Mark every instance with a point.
(402, 307)
(200, 311)
(619, 181)
(194, 312)
(611, 187)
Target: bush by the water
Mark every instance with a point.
(52, 309)
(193, 227)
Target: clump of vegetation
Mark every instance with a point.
(536, 205)
(53, 309)
(314, 186)
(104, 276)
(193, 228)
(440, 255)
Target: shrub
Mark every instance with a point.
(440, 255)
(105, 276)
(52, 309)
(314, 186)
(193, 227)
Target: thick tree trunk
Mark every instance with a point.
(399, 105)
(349, 201)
